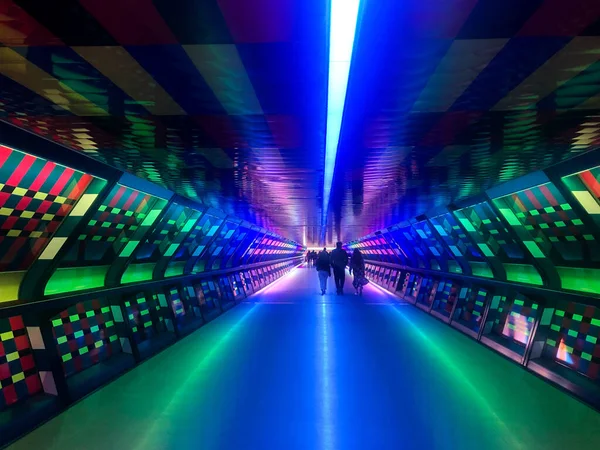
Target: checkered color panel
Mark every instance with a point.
(486, 228)
(429, 240)
(573, 338)
(447, 295)
(585, 186)
(176, 303)
(118, 218)
(457, 240)
(195, 243)
(517, 321)
(470, 309)
(164, 233)
(35, 197)
(139, 318)
(18, 375)
(218, 247)
(85, 335)
(550, 221)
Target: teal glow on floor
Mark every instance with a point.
(294, 370)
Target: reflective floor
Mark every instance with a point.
(294, 370)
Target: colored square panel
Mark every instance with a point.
(572, 338)
(142, 323)
(35, 197)
(554, 228)
(164, 233)
(85, 335)
(485, 227)
(19, 378)
(113, 226)
(585, 187)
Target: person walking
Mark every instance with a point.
(357, 267)
(323, 269)
(339, 261)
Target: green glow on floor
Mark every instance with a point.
(196, 370)
(461, 378)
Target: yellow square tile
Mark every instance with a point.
(6, 211)
(47, 216)
(18, 377)
(27, 214)
(12, 356)
(36, 234)
(14, 233)
(60, 199)
(19, 191)
(7, 336)
(40, 196)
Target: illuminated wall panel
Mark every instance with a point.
(35, 197)
(496, 243)
(140, 319)
(573, 336)
(211, 260)
(439, 258)
(461, 246)
(18, 375)
(512, 321)
(405, 239)
(552, 227)
(85, 335)
(585, 187)
(113, 232)
(470, 309)
(195, 244)
(159, 241)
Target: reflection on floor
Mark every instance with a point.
(293, 370)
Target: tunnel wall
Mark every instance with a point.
(100, 270)
(516, 268)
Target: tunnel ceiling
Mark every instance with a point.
(224, 101)
(448, 97)
(219, 100)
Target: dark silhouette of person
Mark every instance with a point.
(323, 267)
(339, 261)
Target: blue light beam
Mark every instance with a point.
(342, 29)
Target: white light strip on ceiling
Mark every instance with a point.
(344, 16)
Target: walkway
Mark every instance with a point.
(294, 370)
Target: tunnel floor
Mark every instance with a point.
(290, 369)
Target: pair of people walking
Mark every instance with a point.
(338, 261)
